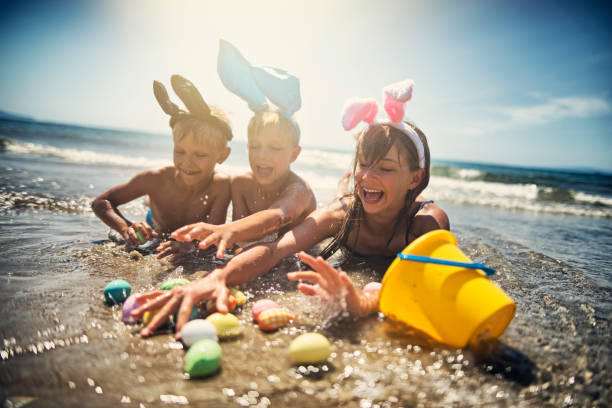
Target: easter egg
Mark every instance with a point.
(372, 287)
(211, 306)
(169, 284)
(239, 296)
(274, 318)
(117, 291)
(309, 348)
(148, 316)
(196, 330)
(227, 325)
(262, 305)
(202, 358)
(131, 304)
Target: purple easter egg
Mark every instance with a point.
(131, 304)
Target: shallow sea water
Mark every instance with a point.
(63, 346)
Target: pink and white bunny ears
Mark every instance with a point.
(356, 110)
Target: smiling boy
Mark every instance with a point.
(267, 201)
(188, 191)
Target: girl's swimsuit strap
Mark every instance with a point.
(423, 204)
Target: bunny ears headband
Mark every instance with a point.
(258, 85)
(356, 110)
(193, 101)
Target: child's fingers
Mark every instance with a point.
(179, 234)
(309, 276)
(160, 317)
(328, 272)
(307, 289)
(156, 300)
(184, 314)
(221, 247)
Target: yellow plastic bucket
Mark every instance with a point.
(454, 305)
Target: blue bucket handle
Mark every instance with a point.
(417, 258)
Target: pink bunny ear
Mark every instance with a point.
(356, 110)
(395, 96)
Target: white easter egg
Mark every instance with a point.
(198, 329)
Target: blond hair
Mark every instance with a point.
(272, 119)
(216, 127)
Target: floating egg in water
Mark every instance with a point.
(227, 325)
(262, 305)
(274, 318)
(169, 284)
(131, 304)
(196, 330)
(117, 291)
(309, 348)
(239, 296)
(202, 358)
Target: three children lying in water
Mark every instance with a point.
(382, 214)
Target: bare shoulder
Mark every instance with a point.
(429, 218)
(298, 185)
(242, 183)
(155, 177)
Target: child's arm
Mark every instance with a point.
(294, 201)
(254, 261)
(223, 196)
(334, 283)
(105, 207)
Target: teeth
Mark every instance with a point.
(370, 191)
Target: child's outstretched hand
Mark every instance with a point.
(182, 298)
(208, 234)
(330, 282)
(178, 250)
(138, 233)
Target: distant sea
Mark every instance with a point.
(548, 232)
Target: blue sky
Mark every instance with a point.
(512, 82)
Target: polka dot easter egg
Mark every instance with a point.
(274, 318)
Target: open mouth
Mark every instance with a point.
(264, 171)
(371, 196)
(190, 172)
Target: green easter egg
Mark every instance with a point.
(309, 348)
(202, 358)
(169, 284)
(117, 291)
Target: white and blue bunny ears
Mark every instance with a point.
(259, 85)
(356, 110)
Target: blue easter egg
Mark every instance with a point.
(117, 291)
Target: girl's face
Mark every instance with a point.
(270, 155)
(382, 187)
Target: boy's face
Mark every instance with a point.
(195, 158)
(270, 155)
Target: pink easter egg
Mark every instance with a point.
(262, 305)
(372, 286)
(131, 304)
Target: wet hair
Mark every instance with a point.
(273, 119)
(216, 127)
(372, 145)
